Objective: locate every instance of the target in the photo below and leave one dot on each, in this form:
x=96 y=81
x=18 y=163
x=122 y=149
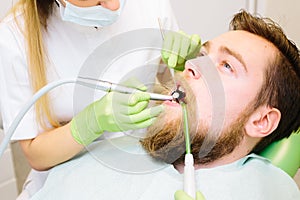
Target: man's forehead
x=242 y=41
x=241 y=37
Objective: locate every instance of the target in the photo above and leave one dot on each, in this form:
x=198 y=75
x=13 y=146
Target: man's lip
x=171 y=103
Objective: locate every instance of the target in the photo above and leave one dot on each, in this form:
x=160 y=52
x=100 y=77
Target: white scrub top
x=118 y=168
x=68 y=48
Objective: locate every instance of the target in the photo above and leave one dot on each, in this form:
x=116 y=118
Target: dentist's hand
x=114 y=112
x=181 y=195
x=179 y=47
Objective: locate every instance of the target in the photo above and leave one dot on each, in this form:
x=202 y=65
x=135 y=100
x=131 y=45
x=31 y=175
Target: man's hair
x=281 y=87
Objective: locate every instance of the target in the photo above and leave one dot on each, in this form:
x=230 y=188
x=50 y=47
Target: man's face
x=240 y=59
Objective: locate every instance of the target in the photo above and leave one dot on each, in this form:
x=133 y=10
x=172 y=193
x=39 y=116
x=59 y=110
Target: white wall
x=5 y=5
x=207 y=18
x=211 y=18
x=286 y=13
x=8 y=182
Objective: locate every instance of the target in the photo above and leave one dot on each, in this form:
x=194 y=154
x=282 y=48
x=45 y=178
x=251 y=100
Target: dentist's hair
x=36 y=13
x=281 y=87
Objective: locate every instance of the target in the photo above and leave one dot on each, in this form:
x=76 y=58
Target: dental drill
x=108 y=86
x=88 y=82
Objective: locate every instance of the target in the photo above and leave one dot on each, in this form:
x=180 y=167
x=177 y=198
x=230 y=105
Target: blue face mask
x=95 y=16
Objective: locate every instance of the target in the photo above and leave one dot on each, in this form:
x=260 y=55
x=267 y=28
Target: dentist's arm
x=113 y=113
x=50 y=148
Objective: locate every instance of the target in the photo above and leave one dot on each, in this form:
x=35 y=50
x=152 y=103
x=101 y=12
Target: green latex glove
x=179 y=47
x=181 y=195
x=285 y=153
x=114 y=112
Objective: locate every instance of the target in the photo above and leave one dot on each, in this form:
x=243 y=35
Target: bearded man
x=258 y=70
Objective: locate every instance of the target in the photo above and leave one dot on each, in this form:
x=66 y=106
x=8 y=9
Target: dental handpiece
x=88 y=82
x=108 y=86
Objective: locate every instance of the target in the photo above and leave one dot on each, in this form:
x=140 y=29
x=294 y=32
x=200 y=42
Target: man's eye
x=227 y=66
x=200 y=54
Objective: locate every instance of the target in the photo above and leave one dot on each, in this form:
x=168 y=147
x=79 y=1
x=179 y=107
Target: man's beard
x=165 y=138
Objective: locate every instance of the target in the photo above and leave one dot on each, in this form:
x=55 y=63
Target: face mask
x=94 y=16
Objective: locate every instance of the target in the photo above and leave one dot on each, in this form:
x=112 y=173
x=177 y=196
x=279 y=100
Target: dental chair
x=285 y=153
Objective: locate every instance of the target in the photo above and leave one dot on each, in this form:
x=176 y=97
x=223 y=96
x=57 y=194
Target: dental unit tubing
x=108 y=86
x=88 y=82
x=189 y=182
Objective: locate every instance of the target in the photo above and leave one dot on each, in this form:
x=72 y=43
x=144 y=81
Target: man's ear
x=263 y=122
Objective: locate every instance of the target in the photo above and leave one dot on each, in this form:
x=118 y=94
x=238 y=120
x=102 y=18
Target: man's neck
x=239 y=152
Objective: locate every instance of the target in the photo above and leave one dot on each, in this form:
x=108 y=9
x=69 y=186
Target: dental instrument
x=88 y=82
x=178 y=95
x=189 y=182
x=160 y=28
x=108 y=86
x=172 y=71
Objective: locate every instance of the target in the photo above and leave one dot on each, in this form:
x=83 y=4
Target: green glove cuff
x=84 y=126
x=84 y=139
x=180 y=67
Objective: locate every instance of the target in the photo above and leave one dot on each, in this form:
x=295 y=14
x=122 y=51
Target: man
x=259 y=71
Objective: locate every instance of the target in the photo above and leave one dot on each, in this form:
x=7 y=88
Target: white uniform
x=68 y=46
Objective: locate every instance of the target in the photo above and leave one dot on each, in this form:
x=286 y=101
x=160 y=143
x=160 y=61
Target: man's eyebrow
x=226 y=50
x=235 y=54
x=206 y=45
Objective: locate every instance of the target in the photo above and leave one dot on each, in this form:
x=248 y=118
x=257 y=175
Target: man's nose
x=200 y=67
x=110 y=4
x=192 y=70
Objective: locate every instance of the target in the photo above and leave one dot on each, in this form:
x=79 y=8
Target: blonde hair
x=36 y=58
